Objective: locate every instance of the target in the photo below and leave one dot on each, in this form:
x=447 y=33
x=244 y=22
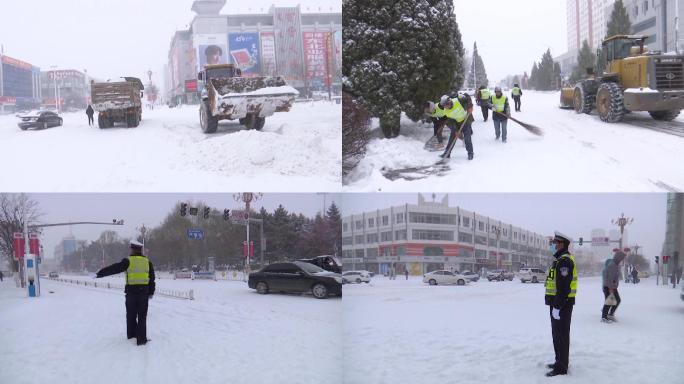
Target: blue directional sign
x=195 y=234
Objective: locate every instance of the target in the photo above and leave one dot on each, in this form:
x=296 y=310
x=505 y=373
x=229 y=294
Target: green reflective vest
x=484 y=94
x=551 y=278
x=456 y=112
x=439 y=112
x=515 y=91
x=499 y=102
x=138 y=272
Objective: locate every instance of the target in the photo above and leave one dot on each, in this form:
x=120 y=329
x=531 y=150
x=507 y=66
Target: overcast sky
x=511 y=35
x=109 y=38
x=150 y=209
x=574 y=214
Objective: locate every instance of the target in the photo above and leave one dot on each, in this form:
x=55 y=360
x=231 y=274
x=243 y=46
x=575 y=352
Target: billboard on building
x=268 y=54
x=288 y=42
x=17 y=79
x=316 y=58
x=337 y=49
x=211 y=49
x=244 y=52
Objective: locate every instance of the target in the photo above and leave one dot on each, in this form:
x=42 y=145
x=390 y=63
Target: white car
x=534 y=275
x=444 y=277
x=356 y=277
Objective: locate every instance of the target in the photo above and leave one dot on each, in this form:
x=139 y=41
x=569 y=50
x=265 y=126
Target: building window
x=359 y=253
x=345 y=227
x=401 y=251
x=425 y=234
x=400 y=235
x=480 y=254
x=503 y=244
x=347 y=240
x=492 y=242
x=431 y=218
x=400 y=218
x=466 y=222
x=372 y=238
x=385 y=220
x=371 y=253
x=359 y=224
x=371 y=223
x=645 y=7
x=505 y=232
x=465 y=237
x=462 y=252
x=636 y=10
x=386 y=252
x=386 y=236
x=433 y=251
x=359 y=239
x=482 y=240
x=347 y=254
x=480 y=225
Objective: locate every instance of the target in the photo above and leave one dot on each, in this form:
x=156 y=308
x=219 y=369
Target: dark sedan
x=42 y=120
x=296 y=277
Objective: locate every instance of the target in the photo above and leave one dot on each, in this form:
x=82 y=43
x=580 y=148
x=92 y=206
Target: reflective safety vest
x=551 y=278
x=515 y=91
x=138 y=272
x=484 y=94
x=439 y=112
x=456 y=112
x=499 y=103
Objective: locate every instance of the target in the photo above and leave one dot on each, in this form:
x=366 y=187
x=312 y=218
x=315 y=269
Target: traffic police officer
x=139 y=289
x=561 y=288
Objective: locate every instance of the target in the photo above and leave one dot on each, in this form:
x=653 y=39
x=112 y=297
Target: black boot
x=555 y=372
x=551 y=366
x=470 y=156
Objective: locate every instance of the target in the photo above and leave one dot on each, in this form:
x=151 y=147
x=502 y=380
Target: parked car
x=40 y=119
x=356 y=277
x=444 y=277
x=53 y=275
x=327 y=262
x=500 y=275
x=296 y=277
x=470 y=275
x=534 y=275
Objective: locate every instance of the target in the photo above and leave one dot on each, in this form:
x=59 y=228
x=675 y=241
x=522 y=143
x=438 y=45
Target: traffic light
x=226 y=214
x=581 y=240
x=665 y=259
x=656 y=258
x=183 y=209
x=207 y=210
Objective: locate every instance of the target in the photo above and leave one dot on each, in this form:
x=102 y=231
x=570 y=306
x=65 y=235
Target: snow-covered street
x=168 y=152
x=595 y=156
x=401 y=331
x=228 y=334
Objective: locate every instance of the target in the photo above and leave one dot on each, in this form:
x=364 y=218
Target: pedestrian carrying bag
x=610 y=300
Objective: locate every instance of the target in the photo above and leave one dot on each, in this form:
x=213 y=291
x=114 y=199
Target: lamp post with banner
x=247 y=198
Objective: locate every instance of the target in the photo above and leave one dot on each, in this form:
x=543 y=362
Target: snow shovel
x=533 y=129
x=433 y=145
x=447 y=153
x=610 y=300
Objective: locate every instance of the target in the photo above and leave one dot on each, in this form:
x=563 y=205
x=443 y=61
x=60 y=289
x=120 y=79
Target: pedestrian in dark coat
x=611 y=280
x=90 y=112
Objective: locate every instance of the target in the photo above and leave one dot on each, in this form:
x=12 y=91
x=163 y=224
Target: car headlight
x=338 y=279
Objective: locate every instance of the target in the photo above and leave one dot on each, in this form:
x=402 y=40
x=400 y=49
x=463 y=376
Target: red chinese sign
x=316 y=55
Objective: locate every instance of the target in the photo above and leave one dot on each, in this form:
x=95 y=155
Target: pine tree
x=398 y=54
x=333 y=220
x=545 y=73
x=619 y=23
x=585 y=60
x=477 y=74
x=558 y=81
x=533 y=76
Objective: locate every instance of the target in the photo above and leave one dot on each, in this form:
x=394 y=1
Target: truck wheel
x=664 y=115
x=208 y=122
x=582 y=102
x=259 y=123
x=609 y=103
x=101 y=122
x=129 y=121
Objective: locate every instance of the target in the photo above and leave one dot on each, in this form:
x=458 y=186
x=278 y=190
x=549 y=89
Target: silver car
x=535 y=275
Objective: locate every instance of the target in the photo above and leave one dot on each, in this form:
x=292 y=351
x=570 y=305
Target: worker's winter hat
x=430 y=106
x=558 y=236
x=444 y=100
x=497 y=89
x=136 y=244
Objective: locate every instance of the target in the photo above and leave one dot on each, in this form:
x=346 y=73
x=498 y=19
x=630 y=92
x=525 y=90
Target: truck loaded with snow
x=118 y=102
x=634 y=80
x=226 y=95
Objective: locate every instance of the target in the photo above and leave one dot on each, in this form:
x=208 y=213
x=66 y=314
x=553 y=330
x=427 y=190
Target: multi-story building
x=674 y=232
x=433 y=235
x=19 y=85
x=304 y=48
x=656 y=19
x=70 y=87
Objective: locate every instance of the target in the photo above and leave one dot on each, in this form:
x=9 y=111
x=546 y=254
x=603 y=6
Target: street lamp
x=497 y=230
x=54 y=77
x=622 y=222
x=247 y=198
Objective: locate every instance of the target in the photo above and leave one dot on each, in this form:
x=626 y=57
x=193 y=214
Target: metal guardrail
x=188 y=295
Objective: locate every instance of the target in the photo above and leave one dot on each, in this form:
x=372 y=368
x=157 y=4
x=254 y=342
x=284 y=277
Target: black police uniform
x=137 y=297
x=560 y=329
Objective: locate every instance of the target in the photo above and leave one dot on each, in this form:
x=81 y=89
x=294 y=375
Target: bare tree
x=14 y=209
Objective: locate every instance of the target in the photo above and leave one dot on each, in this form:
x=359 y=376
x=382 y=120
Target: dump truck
x=118 y=102
x=634 y=80
x=226 y=95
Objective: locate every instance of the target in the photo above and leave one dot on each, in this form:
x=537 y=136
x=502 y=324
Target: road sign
x=600 y=241
x=239 y=216
x=195 y=234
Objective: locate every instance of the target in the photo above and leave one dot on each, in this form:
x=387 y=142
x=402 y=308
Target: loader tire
x=610 y=103
x=582 y=101
x=208 y=122
x=665 y=115
x=259 y=123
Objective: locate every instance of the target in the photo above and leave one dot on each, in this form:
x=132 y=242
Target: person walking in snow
x=560 y=292
x=90 y=112
x=482 y=99
x=635 y=275
x=1 y=276
x=459 y=113
x=406 y=273
x=611 y=280
x=500 y=112
x=139 y=289
x=516 y=93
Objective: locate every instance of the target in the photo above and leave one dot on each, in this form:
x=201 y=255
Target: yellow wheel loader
x=634 y=80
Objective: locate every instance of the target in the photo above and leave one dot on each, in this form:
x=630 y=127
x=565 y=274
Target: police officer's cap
x=136 y=244
x=558 y=236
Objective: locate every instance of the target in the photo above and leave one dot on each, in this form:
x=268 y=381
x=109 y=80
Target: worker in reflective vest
x=482 y=99
x=516 y=92
x=561 y=289
x=437 y=117
x=499 y=104
x=139 y=289
x=459 y=114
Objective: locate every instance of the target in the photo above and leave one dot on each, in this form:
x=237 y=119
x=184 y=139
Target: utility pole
x=247 y=198
x=622 y=222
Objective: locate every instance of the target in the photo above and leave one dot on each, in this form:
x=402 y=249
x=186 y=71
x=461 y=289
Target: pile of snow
x=229 y=333
x=596 y=156
x=398 y=331
x=168 y=152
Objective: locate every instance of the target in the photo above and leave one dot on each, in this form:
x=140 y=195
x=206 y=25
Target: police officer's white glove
x=555 y=313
